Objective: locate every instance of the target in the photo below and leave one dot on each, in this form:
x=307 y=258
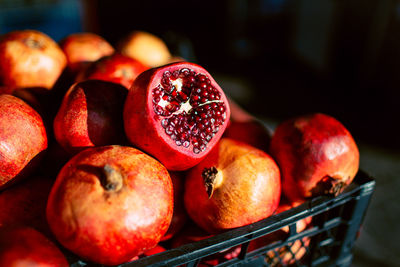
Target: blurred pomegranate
x=82 y=48
x=30 y=58
x=145 y=47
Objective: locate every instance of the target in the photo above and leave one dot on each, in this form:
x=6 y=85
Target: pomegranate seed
x=198 y=125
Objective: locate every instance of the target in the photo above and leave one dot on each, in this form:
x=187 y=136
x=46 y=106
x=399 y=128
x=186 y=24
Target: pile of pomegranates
x=113 y=154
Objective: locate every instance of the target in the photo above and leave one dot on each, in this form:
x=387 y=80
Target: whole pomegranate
x=115 y=68
x=23 y=138
x=90 y=115
x=145 y=47
x=30 y=58
x=110 y=204
x=316 y=154
x=24 y=203
x=25 y=246
x=176 y=113
x=235 y=185
x=82 y=48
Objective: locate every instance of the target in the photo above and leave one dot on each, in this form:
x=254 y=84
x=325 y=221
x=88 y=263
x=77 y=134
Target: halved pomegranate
x=176 y=113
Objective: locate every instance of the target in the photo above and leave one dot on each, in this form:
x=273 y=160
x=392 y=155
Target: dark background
x=277 y=58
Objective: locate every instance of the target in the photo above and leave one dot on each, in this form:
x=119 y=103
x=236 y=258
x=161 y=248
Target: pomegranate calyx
x=33 y=43
x=209 y=177
x=328 y=186
x=112 y=179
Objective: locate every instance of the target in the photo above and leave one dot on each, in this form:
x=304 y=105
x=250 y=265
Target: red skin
x=180 y=217
x=110 y=218
x=82 y=48
x=90 y=115
x=247 y=187
x=116 y=68
x=25 y=246
x=19 y=151
x=139 y=114
x=25 y=203
x=311 y=148
x=30 y=58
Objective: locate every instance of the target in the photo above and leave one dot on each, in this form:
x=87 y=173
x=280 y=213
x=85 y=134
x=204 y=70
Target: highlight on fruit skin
x=316 y=154
x=176 y=113
x=30 y=59
x=145 y=47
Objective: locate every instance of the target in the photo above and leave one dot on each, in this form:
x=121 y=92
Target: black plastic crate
x=329 y=241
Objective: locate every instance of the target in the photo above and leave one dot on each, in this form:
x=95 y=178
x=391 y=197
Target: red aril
x=176 y=113
x=235 y=185
x=316 y=154
x=23 y=139
x=110 y=204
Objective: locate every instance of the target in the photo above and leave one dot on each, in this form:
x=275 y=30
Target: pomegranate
x=110 y=204
x=25 y=246
x=235 y=185
x=115 y=68
x=29 y=58
x=176 y=113
x=23 y=139
x=90 y=115
x=316 y=154
x=145 y=47
x=24 y=203
x=82 y=48
x=179 y=217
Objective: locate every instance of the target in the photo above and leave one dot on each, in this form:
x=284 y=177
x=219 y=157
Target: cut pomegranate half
x=176 y=113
